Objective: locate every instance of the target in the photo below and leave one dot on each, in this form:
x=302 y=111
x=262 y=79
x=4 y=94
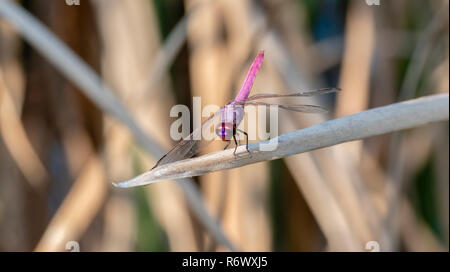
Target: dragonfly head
x=225 y=131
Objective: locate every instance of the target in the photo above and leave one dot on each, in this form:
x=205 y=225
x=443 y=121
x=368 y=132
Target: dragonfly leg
x=227 y=145
x=236 y=145
x=238 y=139
x=246 y=142
x=234 y=135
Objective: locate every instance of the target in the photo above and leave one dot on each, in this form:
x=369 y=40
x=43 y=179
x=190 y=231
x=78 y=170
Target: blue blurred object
x=329 y=21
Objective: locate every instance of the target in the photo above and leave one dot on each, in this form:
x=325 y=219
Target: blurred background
x=60 y=152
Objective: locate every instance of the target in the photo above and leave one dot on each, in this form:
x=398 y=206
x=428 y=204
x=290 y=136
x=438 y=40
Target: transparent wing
x=302 y=93
x=194 y=142
x=297 y=108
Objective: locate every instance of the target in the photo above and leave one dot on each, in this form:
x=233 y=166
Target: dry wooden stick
x=17 y=141
x=357 y=126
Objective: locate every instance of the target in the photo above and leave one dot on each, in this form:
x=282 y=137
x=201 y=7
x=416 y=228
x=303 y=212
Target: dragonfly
x=227 y=119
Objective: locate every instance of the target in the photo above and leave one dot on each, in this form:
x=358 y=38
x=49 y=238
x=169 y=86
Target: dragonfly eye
x=225 y=131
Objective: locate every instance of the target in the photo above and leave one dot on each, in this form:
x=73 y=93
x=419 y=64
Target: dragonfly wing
x=297 y=108
x=302 y=93
x=184 y=149
x=190 y=145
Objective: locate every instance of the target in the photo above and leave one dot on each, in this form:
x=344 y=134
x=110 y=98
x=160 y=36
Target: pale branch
x=394 y=117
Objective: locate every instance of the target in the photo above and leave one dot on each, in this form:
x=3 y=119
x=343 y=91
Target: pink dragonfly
x=230 y=116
